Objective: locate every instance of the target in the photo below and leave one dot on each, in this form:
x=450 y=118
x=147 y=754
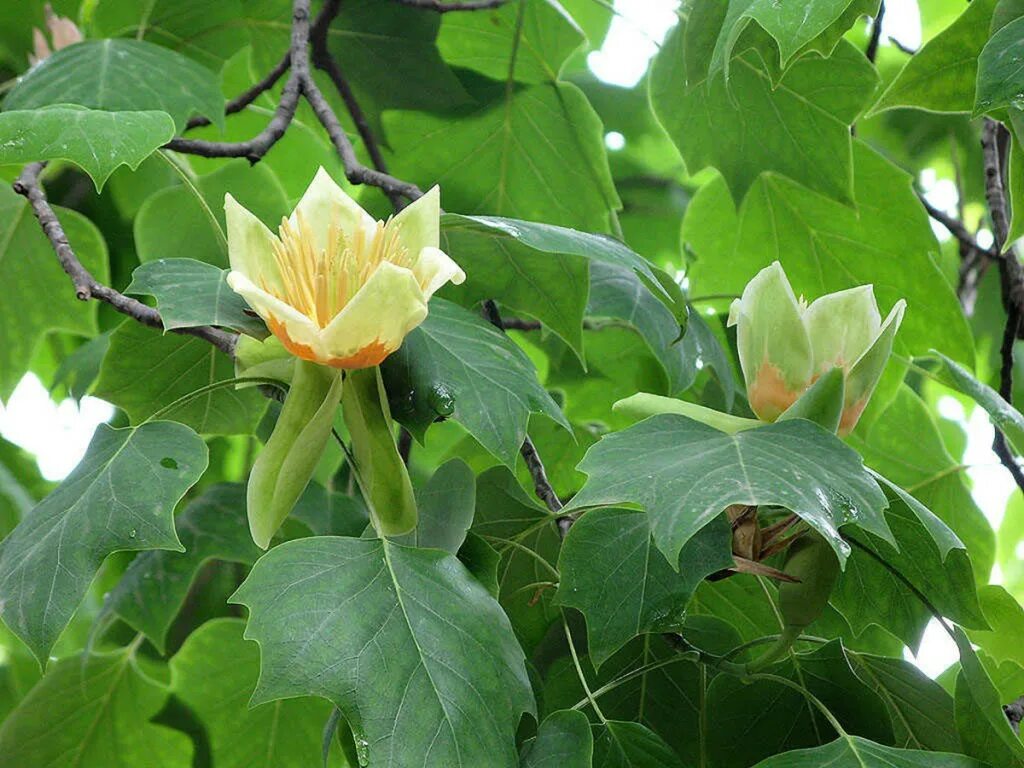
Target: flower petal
x=434 y=268
x=771 y=335
x=866 y=371
x=250 y=244
x=842 y=326
x=299 y=334
x=419 y=223
x=325 y=202
x=377 y=319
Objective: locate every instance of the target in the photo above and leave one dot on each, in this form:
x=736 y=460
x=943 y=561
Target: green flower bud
x=286 y=463
x=380 y=471
x=785 y=345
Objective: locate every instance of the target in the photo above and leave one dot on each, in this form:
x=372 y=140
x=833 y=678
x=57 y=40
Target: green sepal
x=286 y=464
x=822 y=403
x=263 y=359
x=643 y=404
x=380 y=471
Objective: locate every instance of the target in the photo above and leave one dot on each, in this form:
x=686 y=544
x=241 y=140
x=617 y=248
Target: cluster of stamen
x=319 y=284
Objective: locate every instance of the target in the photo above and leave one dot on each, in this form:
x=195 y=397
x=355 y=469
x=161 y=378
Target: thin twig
x=534 y=464
x=86 y=286
x=901 y=47
x=876 y=33
x=1011 y=275
x=440 y=7
x=324 y=61
x=248 y=96
x=955 y=227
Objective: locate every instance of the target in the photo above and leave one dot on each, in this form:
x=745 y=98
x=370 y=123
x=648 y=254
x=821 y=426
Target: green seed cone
x=284 y=467
x=381 y=472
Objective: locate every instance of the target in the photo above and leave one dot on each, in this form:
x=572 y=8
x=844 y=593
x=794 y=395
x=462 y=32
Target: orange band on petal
x=851 y=415
x=768 y=394
x=367 y=357
x=299 y=350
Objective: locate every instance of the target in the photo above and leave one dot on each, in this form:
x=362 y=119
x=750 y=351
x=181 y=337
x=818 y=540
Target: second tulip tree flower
x=785 y=345
x=340 y=291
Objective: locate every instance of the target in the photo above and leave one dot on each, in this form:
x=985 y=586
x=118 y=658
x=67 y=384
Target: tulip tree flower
x=786 y=345
x=339 y=291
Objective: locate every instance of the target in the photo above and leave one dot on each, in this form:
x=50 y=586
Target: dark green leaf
x=757 y=719
x=428 y=662
x=685 y=473
x=95 y=711
x=631 y=745
x=458 y=365
x=121 y=76
x=27 y=259
x=612 y=572
x=563 y=741
x=120 y=497
x=214 y=674
x=145 y=370
x=190 y=293
x=921 y=711
x=445 y=506
x=855 y=752
x=1003 y=415
x=98 y=142
x=153 y=588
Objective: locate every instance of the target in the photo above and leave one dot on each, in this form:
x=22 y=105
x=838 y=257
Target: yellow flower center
x=320 y=283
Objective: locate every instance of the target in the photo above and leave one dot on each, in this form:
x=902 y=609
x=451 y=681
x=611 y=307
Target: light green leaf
x=623 y=585
x=445 y=503
x=941 y=76
x=684 y=473
x=1006 y=618
x=177 y=222
x=96 y=711
x=214 y=674
x=153 y=588
x=428 y=662
x=98 y=142
x=207 y=32
x=826 y=247
x=458 y=365
x=538 y=156
x=483 y=41
x=145 y=370
x=921 y=711
x=1007 y=418
x=190 y=293
x=984 y=729
x=563 y=741
x=30 y=267
x=121 y=76
x=1001 y=71
x=855 y=752
x=119 y=497
x=797 y=127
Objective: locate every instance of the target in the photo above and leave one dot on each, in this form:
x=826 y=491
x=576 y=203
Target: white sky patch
x=937 y=651
x=56 y=434
x=902 y=22
x=614 y=141
x=636 y=32
x=942 y=194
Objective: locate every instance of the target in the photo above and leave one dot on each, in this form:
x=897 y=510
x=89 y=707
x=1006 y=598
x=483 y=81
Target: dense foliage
x=614 y=562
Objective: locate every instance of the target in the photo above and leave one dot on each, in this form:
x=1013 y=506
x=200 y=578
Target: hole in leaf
x=168 y=462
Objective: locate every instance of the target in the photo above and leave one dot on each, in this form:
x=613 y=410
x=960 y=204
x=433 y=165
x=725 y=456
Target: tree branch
x=876 y=34
x=86 y=286
x=441 y=7
x=541 y=484
x=248 y=96
x=1011 y=275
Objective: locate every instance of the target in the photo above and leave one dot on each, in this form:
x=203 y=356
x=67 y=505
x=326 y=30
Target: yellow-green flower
x=785 y=345
x=334 y=285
